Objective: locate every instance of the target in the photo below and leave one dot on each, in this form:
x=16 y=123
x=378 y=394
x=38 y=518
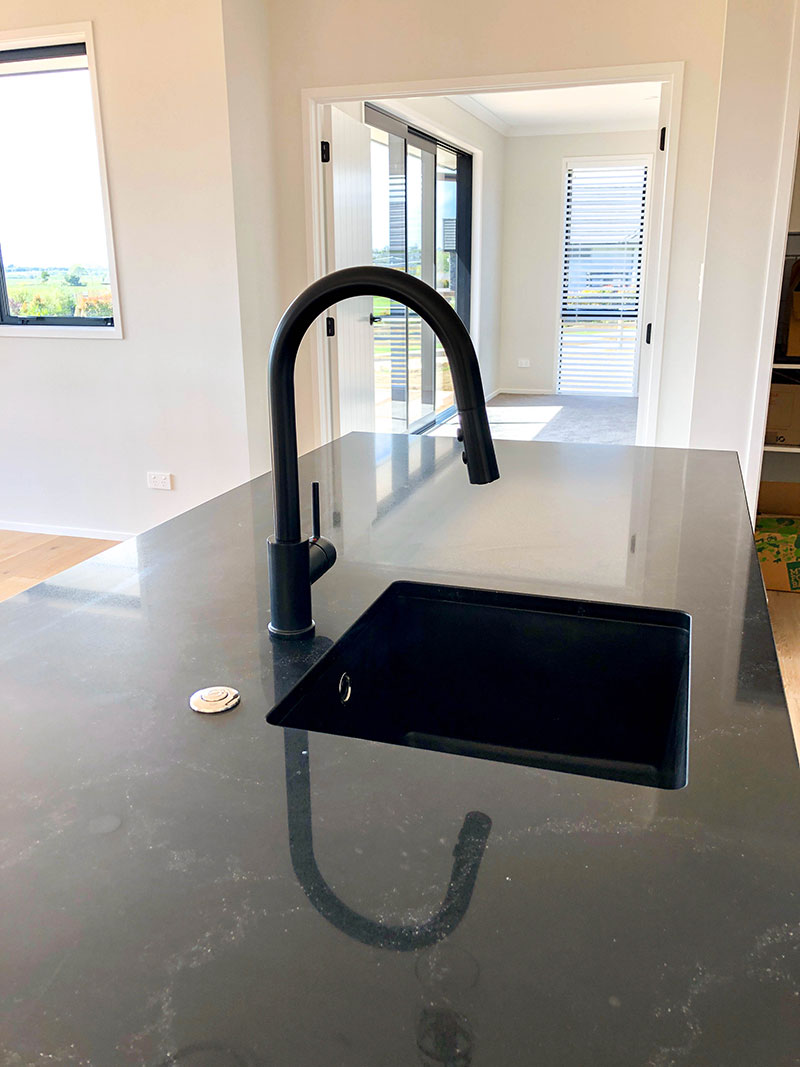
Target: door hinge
x=330 y=327
x=662 y=140
x=648 y=333
x=325 y=151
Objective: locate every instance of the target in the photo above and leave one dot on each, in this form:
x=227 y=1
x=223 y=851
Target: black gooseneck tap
x=294 y=563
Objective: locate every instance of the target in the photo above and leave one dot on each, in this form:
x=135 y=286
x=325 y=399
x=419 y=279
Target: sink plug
x=214 y=698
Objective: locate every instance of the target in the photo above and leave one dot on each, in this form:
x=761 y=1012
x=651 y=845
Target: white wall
x=532 y=246
x=445 y=119
x=318 y=44
x=246 y=38
x=741 y=264
x=82 y=421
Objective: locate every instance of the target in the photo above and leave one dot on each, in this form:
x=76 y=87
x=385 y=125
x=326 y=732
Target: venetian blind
x=604 y=220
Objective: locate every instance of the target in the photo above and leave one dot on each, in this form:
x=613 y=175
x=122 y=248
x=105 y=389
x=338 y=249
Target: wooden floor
x=27 y=558
x=784 y=611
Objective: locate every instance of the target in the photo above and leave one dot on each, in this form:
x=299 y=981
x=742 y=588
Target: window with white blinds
x=604 y=222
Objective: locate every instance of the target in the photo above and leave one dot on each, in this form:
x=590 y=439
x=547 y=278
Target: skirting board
x=64 y=531
x=523 y=392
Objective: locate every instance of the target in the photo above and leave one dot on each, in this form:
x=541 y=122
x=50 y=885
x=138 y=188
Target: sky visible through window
x=52 y=229
x=51 y=209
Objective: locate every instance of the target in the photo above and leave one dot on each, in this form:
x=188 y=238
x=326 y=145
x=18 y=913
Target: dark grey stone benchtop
x=151 y=913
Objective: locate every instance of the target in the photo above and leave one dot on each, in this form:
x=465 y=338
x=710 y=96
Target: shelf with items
x=785 y=374
x=780 y=471
x=783 y=416
x=787 y=335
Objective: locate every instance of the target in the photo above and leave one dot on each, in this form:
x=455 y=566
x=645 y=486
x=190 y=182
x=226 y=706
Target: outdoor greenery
x=399 y=340
x=395 y=257
x=409 y=345
x=59 y=292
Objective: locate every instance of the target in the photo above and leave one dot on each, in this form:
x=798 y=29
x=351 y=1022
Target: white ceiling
x=578 y=109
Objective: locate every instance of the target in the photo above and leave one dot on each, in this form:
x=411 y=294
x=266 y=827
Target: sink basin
x=594 y=689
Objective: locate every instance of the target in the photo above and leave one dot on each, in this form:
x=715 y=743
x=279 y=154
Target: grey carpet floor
x=596 y=420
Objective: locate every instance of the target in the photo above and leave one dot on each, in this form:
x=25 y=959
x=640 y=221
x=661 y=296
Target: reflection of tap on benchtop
x=467 y=853
x=444 y=1037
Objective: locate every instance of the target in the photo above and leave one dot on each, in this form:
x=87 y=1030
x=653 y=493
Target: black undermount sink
x=595 y=689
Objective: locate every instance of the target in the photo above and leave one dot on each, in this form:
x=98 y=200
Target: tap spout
x=294 y=563
x=429 y=305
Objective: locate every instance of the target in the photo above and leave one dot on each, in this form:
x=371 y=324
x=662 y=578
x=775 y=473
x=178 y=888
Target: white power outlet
x=523 y=363
x=159 y=480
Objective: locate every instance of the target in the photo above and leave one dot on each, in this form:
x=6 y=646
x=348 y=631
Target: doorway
x=541 y=304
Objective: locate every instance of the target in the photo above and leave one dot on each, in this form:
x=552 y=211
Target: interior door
x=349 y=244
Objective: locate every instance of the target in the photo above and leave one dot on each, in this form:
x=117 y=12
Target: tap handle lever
x=316 y=532
x=321 y=553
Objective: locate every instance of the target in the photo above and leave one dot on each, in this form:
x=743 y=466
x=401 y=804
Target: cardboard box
x=778 y=547
x=793 y=341
x=783 y=415
x=779 y=498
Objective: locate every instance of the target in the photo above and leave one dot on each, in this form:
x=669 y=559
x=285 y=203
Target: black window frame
x=22 y=55
x=384 y=120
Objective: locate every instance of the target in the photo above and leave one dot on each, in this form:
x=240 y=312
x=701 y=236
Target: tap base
x=289 y=589
x=291 y=635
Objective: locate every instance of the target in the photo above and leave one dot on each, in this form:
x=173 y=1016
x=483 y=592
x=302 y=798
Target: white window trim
x=73 y=33
x=598 y=161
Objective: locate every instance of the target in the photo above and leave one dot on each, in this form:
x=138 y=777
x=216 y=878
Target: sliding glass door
x=421 y=223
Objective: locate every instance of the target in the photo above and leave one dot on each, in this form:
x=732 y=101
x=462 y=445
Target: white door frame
x=313 y=101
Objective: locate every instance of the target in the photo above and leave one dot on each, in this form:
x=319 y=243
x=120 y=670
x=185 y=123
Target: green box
x=778 y=547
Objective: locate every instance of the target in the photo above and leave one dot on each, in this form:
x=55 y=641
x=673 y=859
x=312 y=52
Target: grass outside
x=382 y=342
x=59 y=292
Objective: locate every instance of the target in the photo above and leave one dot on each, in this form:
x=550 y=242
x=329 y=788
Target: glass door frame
x=427 y=145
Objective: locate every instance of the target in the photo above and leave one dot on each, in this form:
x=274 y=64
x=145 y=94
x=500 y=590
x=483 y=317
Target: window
x=604 y=227
x=54 y=252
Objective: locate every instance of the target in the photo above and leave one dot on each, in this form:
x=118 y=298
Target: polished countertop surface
x=153 y=912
